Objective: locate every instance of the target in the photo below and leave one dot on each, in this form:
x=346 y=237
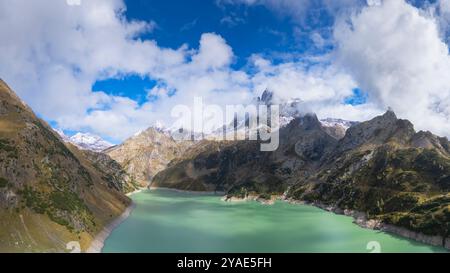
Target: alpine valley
x=55 y=189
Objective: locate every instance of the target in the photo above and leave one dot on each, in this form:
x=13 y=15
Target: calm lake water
x=168 y=221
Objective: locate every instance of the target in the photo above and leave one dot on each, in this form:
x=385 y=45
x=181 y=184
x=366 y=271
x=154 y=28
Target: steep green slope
x=50 y=193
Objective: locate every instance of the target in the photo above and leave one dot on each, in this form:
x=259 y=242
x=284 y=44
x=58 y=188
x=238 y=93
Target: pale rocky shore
x=136 y=191
x=185 y=191
x=359 y=218
x=99 y=240
x=250 y=197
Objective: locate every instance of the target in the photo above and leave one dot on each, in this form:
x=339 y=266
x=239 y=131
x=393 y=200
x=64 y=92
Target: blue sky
x=247 y=29
x=116 y=67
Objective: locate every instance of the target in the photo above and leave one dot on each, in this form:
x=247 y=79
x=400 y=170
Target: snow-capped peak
x=89 y=141
x=85 y=141
x=333 y=122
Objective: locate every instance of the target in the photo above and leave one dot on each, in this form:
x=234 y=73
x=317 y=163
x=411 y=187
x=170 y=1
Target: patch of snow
x=89 y=141
x=333 y=122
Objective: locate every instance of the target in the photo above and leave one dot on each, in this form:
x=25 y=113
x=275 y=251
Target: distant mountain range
x=55 y=189
x=289 y=110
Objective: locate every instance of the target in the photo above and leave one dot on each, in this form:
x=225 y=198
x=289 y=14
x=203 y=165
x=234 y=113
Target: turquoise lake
x=169 y=221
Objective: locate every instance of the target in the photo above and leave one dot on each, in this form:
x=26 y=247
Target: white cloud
x=322 y=89
x=213 y=53
x=298 y=9
x=53 y=52
x=395 y=53
x=53 y=58
x=373 y=2
x=232 y=20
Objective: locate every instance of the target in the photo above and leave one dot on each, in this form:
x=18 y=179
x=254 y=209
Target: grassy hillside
x=50 y=193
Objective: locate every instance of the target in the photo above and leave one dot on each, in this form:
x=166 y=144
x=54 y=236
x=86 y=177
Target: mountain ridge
x=50 y=193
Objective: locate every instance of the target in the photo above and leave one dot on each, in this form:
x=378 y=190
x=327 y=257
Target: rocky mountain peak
x=381 y=129
x=427 y=140
x=146 y=153
x=309 y=122
x=87 y=141
x=266 y=97
x=389 y=115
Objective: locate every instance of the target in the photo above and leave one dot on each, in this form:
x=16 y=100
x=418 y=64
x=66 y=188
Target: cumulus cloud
x=395 y=53
x=322 y=89
x=53 y=58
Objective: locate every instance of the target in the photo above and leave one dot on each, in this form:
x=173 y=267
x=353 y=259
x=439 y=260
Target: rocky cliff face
x=145 y=154
x=50 y=193
x=112 y=172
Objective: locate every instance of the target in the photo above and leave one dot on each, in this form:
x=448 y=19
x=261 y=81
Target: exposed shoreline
x=99 y=241
x=218 y=193
x=135 y=191
x=359 y=218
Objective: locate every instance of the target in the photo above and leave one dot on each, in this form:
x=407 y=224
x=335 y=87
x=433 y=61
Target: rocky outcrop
x=112 y=172
x=145 y=154
x=337 y=127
